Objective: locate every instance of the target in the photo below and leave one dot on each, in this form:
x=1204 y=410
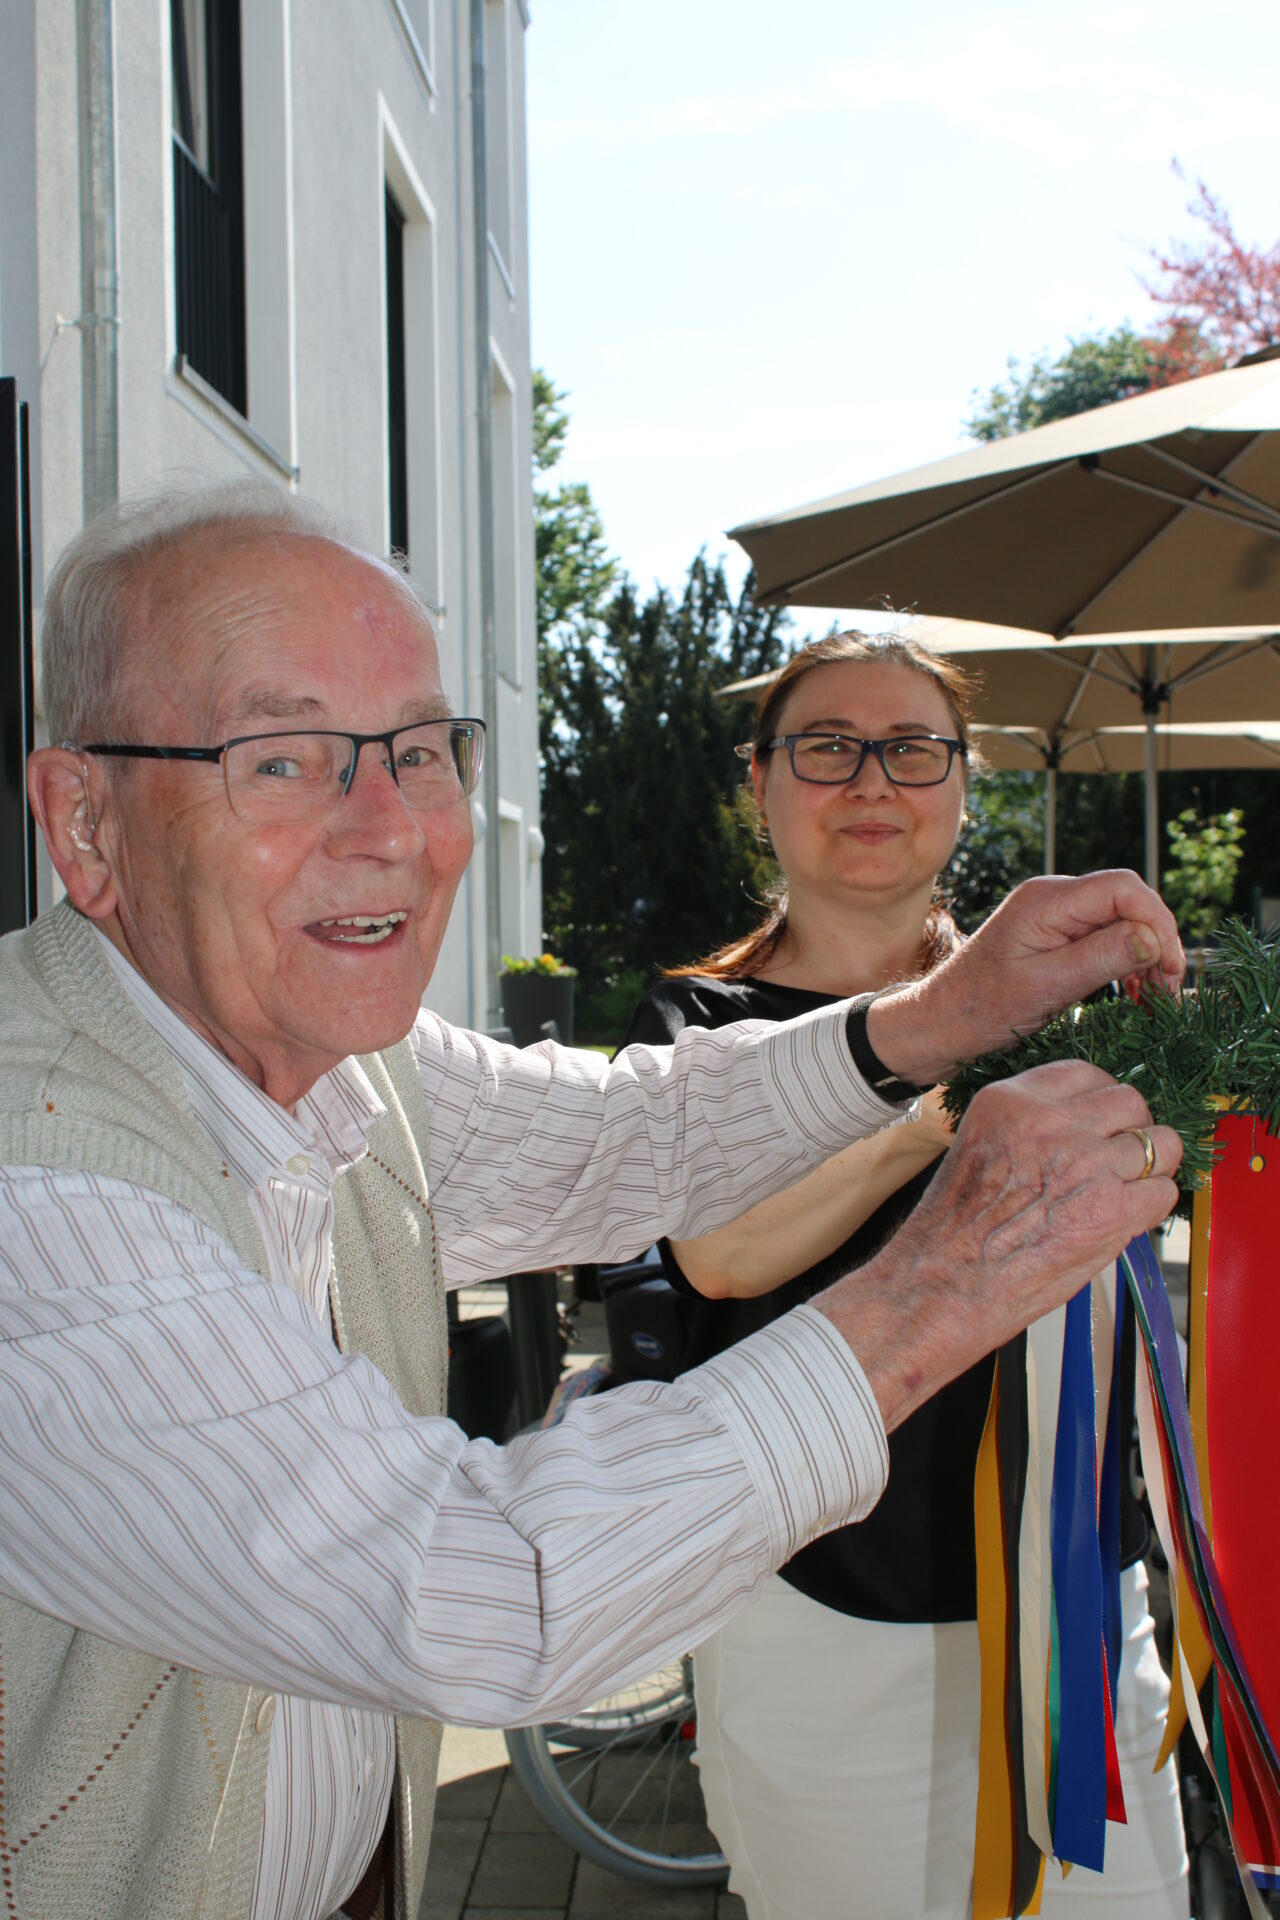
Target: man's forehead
x=225 y=573
x=220 y=610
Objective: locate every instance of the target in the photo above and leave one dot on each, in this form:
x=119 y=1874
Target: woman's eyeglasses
x=833 y=759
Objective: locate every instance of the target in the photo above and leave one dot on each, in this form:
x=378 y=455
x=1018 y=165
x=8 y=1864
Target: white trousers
x=839 y=1762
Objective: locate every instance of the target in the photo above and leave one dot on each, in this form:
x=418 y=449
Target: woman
x=838 y=1714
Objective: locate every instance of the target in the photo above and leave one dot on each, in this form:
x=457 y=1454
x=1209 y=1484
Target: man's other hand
x=1054 y=940
x=1043 y=1187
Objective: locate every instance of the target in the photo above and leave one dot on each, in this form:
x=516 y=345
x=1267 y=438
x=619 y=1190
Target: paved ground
x=493 y=1859
x=491 y=1856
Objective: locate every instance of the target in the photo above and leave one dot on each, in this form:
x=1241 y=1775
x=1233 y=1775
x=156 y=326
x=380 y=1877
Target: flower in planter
x=544 y=964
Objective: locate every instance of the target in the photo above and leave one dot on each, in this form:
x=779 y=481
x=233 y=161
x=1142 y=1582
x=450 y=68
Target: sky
x=777 y=248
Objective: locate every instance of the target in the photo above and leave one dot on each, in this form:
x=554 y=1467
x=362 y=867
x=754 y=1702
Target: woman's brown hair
x=740 y=959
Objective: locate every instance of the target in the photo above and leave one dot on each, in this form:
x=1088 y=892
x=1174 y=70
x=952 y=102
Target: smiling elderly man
x=239 y=1161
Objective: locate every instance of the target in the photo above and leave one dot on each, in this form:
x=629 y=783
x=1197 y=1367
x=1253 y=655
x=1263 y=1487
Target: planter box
x=531 y=999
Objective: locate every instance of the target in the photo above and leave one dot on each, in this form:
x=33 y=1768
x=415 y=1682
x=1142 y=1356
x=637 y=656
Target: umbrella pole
x=1151 y=799
x=1050 y=818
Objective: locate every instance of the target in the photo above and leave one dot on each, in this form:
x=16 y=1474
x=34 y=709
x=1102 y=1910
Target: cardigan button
x=266 y=1714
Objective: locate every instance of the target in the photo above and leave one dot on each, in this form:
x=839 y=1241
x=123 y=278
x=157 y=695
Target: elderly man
x=239 y=1161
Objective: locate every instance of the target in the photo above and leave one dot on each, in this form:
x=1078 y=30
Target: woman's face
x=868 y=835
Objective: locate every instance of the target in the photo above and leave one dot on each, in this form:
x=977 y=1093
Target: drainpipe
x=484 y=474
x=99 y=274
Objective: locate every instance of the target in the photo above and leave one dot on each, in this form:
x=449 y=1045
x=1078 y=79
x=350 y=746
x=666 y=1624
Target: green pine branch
x=1221 y=1042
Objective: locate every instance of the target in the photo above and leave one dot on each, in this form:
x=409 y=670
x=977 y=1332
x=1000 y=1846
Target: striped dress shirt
x=382 y=1561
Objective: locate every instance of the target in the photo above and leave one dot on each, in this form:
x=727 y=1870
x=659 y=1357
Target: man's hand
x=1042 y=1189
x=1052 y=941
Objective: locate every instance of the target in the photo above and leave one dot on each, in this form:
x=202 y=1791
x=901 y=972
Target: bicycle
x=618 y=1783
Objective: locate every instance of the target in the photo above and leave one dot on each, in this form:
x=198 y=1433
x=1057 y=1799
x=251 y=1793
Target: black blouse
x=912 y=1558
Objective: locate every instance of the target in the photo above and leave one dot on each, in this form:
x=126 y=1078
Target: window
x=497 y=128
x=412 y=371
x=208 y=199
x=397 y=422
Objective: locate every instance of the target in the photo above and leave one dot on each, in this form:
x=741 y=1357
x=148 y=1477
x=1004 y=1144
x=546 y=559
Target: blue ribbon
x=1079 y=1813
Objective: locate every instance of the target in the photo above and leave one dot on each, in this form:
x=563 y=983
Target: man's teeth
x=367 y=929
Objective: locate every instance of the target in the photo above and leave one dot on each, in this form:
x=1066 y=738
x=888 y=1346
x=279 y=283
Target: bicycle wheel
x=618 y=1783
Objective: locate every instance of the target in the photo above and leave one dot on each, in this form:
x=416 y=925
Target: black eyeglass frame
x=128 y=751
x=876 y=747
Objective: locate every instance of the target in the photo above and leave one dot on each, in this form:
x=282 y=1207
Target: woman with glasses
x=838 y=1714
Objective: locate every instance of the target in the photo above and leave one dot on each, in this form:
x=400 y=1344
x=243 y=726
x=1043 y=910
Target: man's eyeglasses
x=292 y=779
x=833 y=759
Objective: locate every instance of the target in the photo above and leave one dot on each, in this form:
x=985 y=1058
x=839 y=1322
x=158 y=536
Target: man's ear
x=68 y=797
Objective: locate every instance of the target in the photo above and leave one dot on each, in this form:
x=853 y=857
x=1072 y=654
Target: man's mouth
x=359 y=929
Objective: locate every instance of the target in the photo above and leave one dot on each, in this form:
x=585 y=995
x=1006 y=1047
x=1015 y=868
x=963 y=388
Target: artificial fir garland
x=1183 y=1053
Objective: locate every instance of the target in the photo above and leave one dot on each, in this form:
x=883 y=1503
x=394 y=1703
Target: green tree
x=1093 y=371
x=1001 y=845
x=651 y=856
x=1201 y=882
x=576 y=573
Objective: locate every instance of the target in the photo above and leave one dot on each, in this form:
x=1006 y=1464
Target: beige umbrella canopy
x=1113 y=703
x=1183 y=748
x=1157 y=512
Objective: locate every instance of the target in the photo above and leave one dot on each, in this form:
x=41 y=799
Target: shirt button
x=266 y=1714
x=298 y=1163
x=368 y=1766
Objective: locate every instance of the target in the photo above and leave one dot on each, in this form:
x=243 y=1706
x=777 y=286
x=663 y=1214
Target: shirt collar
x=256 y=1136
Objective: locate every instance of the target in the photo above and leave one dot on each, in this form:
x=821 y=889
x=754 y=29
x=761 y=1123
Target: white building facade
x=252 y=236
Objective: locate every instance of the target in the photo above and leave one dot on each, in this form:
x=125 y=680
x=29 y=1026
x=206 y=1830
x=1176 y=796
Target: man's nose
x=374 y=812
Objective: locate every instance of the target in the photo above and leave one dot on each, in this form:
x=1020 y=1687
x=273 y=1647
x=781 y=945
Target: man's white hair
x=85 y=631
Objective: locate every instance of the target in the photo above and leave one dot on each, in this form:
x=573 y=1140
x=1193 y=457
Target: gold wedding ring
x=1140 y=1133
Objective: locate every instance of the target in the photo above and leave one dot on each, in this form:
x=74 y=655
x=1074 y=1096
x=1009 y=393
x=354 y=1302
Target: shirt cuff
x=810 y=1076
x=806 y=1423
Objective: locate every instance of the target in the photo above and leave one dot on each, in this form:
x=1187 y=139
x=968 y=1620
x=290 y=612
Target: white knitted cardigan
x=130 y=1787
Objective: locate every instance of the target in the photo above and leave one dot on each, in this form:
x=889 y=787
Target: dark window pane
x=208 y=207
x=397 y=441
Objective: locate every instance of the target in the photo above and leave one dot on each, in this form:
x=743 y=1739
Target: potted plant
x=534 y=991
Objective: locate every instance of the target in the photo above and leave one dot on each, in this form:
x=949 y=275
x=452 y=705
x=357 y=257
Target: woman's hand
x=934 y=1123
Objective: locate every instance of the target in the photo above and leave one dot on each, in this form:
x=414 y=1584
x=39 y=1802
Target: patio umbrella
x=1115 y=702
x=1184 y=748
x=1156 y=512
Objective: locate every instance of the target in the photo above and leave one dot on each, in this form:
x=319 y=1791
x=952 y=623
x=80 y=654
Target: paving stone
x=455 y=1848
x=527 y=1913
x=729 y=1907
x=513 y=1812
x=470 y=1750
x=647 y=1785
x=598 y=1895
x=516 y=1869
x=472 y=1797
